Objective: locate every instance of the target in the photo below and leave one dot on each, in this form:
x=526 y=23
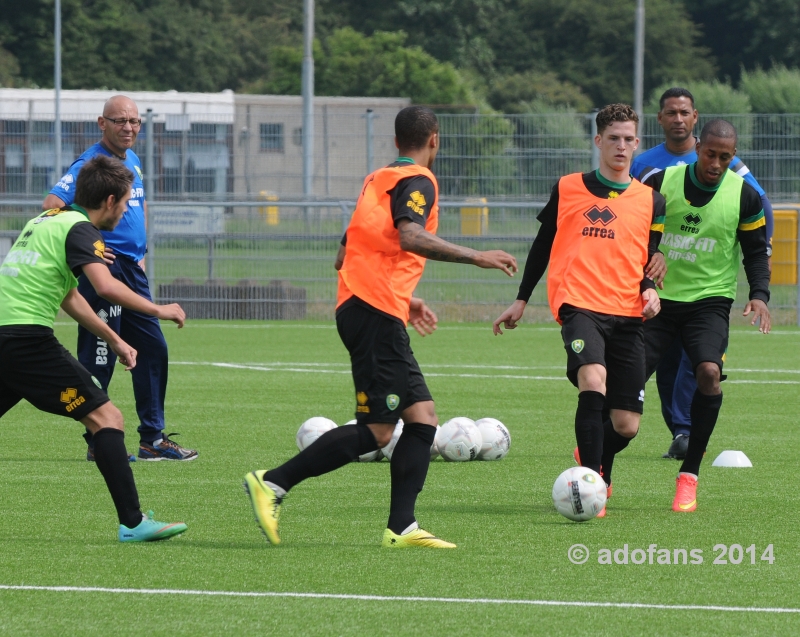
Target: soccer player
x=36 y=278
x=598 y=233
x=674 y=377
x=125 y=250
x=711 y=212
x=391 y=234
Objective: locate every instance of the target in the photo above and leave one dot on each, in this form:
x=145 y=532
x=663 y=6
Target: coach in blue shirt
x=674 y=375
x=125 y=249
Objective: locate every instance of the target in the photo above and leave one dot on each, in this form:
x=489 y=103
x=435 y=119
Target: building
x=206 y=145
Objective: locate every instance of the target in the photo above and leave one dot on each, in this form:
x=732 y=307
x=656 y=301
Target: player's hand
x=510 y=317
x=125 y=353
x=498 y=260
x=761 y=315
x=656 y=270
x=172 y=312
x=108 y=255
x=421 y=317
x=652 y=304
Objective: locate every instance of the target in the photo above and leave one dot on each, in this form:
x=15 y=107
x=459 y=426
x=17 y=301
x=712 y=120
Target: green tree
x=352 y=64
x=715 y=97
x=773 y=91
x=744 y=34
x=519 y=93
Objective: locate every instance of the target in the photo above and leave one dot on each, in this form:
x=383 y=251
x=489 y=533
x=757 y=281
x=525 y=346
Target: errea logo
x=602 y=216
x=71 y=398
x=99 y=248
x=417 y=203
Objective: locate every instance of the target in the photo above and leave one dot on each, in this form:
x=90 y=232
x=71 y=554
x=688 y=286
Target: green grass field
x=238 y=393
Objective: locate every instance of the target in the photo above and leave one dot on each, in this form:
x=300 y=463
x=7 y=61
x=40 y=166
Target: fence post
x=149 y=173
x=211 y=241
x=370 y=149
x=345 y=215
x=595 y=149
x=797 y=303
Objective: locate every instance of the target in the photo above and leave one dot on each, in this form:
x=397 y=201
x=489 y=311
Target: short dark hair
x=100 y=177
x=413 y=126
x=615 y=113
x=719 y=128
x=675 y=91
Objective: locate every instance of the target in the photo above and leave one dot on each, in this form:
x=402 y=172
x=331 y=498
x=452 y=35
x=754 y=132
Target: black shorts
x=616 y=343
x=387 y=378
x=702 y=326
x=36 y=367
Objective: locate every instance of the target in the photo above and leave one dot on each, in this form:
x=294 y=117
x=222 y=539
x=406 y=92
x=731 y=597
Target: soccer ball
x=496 y=439
x=579 y=494
x=459 y=440
x=312 y=429
x=388 y=450
x=370 y=456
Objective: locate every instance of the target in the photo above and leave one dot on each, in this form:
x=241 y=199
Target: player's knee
x=708 y=377
x=626 y=423
x=382 y=433
x=592 y=378
x=107 y=416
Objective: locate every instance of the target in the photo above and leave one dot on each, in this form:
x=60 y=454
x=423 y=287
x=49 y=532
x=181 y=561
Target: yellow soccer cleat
x=417 y=537
x=266 y=505
x=685 y=493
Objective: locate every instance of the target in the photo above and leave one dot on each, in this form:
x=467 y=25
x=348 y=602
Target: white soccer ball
x=312 y=429
x=579 y=494
x=388 y=450
x=496 y=439
x=459 y=440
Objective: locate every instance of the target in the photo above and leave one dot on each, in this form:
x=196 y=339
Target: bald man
x=125 y=248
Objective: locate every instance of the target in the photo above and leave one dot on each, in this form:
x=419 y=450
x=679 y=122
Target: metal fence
x=255 y=152
x=274 y=260
x=229 y=237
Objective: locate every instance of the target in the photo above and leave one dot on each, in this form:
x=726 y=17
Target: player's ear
x=111 y=201
x=396 y=144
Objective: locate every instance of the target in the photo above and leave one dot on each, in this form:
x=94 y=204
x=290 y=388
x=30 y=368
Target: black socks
x=613 y=443
x=333 y=449
x=589 y=428
x=410 y=461
x=705 y=411
x=112 y=461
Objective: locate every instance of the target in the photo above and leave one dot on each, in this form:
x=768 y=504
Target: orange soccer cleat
x=685 y=493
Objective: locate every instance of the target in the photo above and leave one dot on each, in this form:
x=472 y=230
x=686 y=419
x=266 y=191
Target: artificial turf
x=58 y=526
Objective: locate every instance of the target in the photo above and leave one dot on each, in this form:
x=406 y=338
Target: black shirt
x=84 y=244
x=754 y=242
x=539 y=255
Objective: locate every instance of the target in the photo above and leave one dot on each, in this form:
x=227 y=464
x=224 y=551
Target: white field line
x=312 y=368
x=391 y=598
x=332 y=326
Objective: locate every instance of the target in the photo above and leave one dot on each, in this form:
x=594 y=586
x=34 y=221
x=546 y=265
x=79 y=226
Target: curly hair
x=615 y=113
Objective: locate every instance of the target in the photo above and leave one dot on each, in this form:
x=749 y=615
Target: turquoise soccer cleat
x=150 y=530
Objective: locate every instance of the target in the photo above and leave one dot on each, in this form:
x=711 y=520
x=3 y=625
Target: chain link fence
x=231 y=238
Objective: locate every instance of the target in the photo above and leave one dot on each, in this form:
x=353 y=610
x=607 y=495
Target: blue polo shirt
x=660 y=157
x=129 y=237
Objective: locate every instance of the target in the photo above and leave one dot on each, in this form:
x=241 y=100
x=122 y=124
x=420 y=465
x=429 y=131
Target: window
x=271 y=138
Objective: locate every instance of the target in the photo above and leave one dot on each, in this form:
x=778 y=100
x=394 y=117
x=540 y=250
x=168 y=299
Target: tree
x=773 y=91
x=744 y=34
x=352 y=64
x=521 y=92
